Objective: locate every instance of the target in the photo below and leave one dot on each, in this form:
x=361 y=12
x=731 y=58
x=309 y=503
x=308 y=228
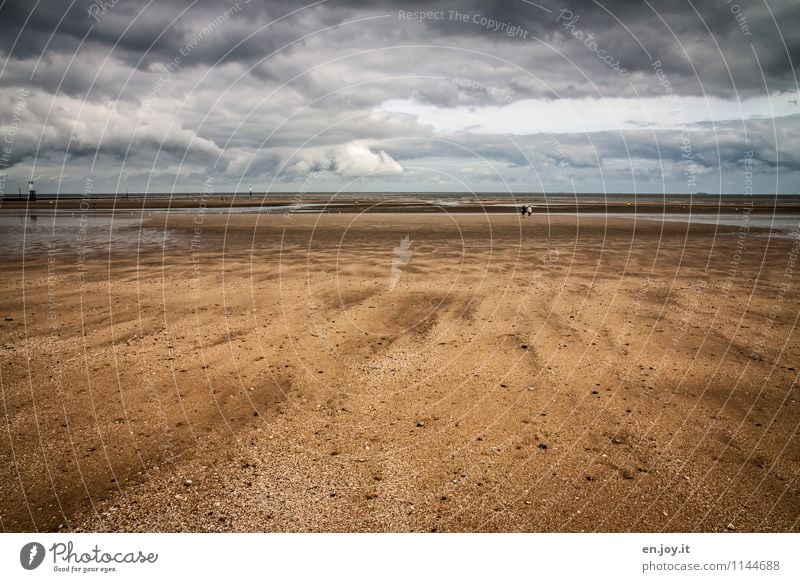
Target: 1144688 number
x=766 y=565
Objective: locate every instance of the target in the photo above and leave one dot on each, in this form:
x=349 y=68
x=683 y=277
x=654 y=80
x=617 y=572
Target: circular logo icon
x=31 y=555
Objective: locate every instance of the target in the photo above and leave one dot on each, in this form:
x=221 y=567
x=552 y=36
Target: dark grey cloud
x=697 y=41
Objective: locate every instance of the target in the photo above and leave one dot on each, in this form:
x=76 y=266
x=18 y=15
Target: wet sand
x=428 y=203
x=326 y=373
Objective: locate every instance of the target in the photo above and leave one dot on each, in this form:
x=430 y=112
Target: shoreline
x=488 y=207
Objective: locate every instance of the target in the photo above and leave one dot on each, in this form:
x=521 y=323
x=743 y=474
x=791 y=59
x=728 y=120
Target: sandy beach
x=388 y=372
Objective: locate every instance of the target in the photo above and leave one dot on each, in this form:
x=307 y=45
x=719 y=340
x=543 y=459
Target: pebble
x=420 y=423
x=731 y=527
x=188 y=483
x=543 y=446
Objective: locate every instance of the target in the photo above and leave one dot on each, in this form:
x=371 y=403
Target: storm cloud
x=400 y=96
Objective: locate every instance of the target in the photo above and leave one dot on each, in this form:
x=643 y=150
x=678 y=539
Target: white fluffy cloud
x=355 y=159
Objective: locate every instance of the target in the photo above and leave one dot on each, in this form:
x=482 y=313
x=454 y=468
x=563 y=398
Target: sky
x=350 y=96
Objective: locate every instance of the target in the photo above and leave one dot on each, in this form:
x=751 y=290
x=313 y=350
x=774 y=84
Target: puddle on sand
x=23 y=233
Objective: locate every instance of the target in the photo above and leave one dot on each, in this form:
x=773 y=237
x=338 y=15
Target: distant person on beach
x=526 y=209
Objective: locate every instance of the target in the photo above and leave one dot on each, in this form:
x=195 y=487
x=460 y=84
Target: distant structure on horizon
x=31 y=191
